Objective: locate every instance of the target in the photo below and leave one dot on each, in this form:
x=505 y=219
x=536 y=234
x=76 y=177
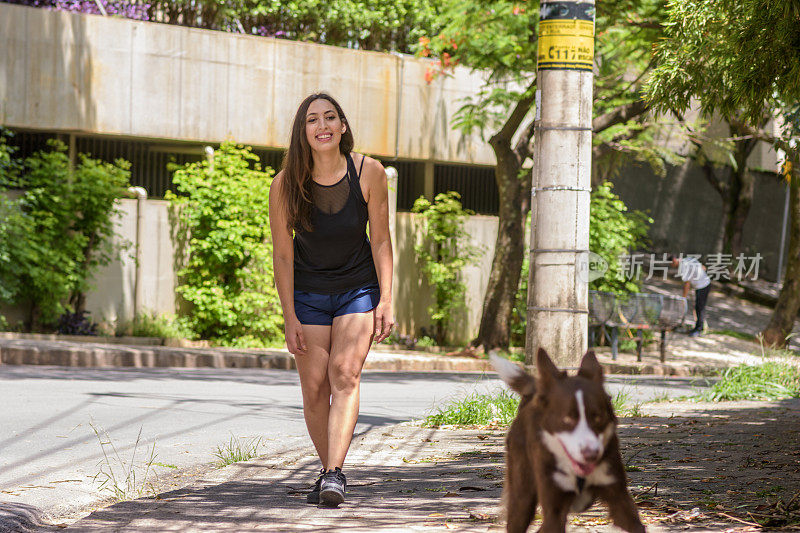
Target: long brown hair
x=298 y=164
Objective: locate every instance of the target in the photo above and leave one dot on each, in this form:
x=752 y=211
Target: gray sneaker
x=333 y=487
x=313 y=496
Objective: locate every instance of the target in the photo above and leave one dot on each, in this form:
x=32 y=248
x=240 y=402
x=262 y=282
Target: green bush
x=227 y=277
x=614 y=231
x=163 y=326
x=443 y=253
x=57 y=230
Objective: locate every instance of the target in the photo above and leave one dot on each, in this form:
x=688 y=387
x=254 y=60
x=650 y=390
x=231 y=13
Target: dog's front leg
x=520 y=490
x=555 y=507
x=622 y=508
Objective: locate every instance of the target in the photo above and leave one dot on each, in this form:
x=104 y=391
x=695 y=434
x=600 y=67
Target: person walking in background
x=334 y=282
x=694 y=276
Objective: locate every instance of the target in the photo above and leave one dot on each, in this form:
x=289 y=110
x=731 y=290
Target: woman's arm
x=376 y=193
x=283 y=266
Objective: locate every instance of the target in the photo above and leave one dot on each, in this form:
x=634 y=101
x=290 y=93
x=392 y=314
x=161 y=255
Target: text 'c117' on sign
x=566 y=36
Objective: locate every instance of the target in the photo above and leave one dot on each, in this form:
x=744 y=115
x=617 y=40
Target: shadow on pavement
x=429 y=483
x=19 y=518
x=736 y=458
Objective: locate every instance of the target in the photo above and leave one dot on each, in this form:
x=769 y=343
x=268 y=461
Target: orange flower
x=428 y=76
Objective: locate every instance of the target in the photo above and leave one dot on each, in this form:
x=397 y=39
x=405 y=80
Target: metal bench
x=636 y=311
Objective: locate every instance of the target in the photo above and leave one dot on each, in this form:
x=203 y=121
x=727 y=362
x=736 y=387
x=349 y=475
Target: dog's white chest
x=582 y=501
x=568 y=482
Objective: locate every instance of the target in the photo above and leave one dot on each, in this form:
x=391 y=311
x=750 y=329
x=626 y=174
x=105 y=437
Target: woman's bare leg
x=351 y=337
x=312 y=368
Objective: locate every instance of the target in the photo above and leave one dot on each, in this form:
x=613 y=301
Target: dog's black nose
x=590 y=453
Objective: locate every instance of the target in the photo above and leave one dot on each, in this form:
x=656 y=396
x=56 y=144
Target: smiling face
x=580 y=428
x=324 y=126
x=574 y=414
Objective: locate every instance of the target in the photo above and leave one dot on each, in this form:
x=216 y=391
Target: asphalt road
x=61 y=429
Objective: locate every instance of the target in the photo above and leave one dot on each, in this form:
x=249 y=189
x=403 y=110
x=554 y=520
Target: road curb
x=63 y=353
x=97 y=355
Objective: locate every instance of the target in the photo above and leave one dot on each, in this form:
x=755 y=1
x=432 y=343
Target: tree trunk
x=785 y=312
x=741 y=199
x=77 y=299
x=32 y=324
x=494 y=331
x=740 y=193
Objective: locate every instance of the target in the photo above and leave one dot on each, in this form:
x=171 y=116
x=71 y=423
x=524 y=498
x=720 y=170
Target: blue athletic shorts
x=319 y=309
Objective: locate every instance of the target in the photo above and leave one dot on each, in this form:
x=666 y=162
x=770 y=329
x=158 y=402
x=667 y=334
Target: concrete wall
x=69 y=72
x=687 y=212
x=413 y=295
x=112 y=299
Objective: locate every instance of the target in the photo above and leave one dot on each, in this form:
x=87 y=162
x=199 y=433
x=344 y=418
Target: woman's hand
x=295 y=342
x=384 y=321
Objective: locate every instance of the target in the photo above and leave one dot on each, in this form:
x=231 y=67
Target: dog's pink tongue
x=584 y=469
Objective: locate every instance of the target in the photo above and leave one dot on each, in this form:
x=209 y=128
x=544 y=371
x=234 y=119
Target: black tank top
x=336 y=256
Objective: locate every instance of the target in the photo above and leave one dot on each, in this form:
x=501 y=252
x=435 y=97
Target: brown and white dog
x=562 y=450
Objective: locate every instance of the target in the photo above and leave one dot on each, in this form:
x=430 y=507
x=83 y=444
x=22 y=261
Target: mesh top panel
x=332 y=198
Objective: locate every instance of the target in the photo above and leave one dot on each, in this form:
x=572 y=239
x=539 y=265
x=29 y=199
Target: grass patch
x=117 y=476
x=512 y=355
x=237 y=450
x=735 y=334
x=772 y=380
x=621 y=402
x=477 y=409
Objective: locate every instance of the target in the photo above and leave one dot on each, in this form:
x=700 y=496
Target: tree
x=724 y=165
x=501 y=42
x=227 y=276
x=363 y=24
x=443 y=253
x=740 y=58
x=58 y=230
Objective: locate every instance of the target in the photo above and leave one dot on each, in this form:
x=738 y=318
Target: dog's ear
x=513 y=375
x=548 y=372
x=590 y=368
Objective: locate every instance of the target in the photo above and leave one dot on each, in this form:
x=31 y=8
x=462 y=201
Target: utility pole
x=559 y=262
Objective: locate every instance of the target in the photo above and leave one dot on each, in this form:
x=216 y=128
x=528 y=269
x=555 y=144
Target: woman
x=335 y=284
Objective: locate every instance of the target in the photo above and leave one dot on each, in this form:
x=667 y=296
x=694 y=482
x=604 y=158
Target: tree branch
x=620 y=115
x=523 y=147
x=646 y=25
x=515 y=119
x=711 y=176
x=761 y=135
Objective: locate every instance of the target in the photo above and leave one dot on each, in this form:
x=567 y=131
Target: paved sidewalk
x=693 y=467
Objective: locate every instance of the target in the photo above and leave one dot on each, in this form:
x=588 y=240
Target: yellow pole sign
x=566 y=36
